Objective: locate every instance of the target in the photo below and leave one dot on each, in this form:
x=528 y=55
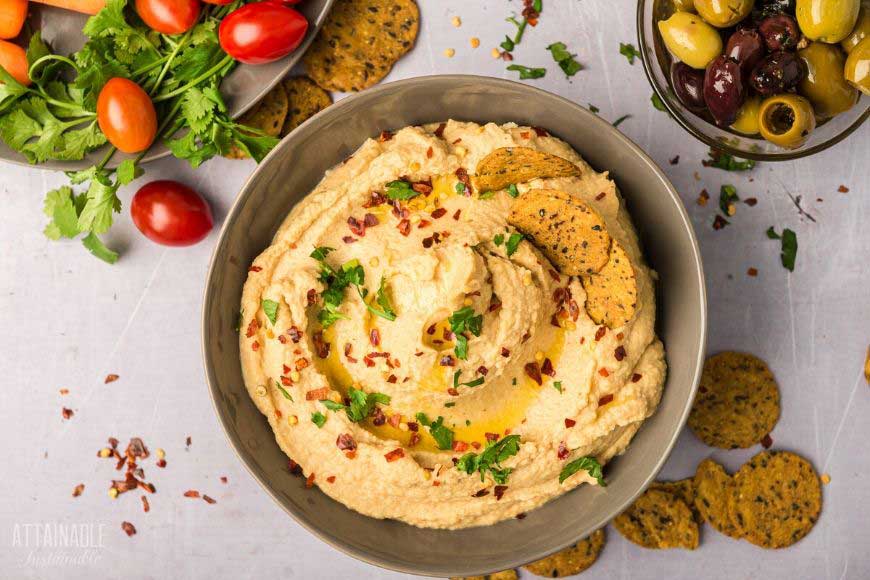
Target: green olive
x=861 y=29
x=857 y=70
x=824 y=84
x=690 y=39
x=827 y=20
x=747 y=116
x=723 y=13
x=786 y=120
x=684 y=5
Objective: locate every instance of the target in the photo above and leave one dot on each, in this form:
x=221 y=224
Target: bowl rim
x=337 y=109
x=666 y=99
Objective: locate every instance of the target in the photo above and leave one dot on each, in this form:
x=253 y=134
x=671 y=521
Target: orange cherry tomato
x=126 y=115
x=14 y=60
x=168 y=16
x=12 y=15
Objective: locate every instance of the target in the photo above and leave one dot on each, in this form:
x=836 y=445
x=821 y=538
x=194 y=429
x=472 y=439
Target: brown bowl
x=298 y=164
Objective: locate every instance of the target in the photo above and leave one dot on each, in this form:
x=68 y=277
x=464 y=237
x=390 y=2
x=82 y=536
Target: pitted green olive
x=786 y=120
x=684 y=5
x=747 y=116
x=824 y=84
x=724 y=13
x=861 y=29
x=827 y=20
x=858 y=66
x=690 y=39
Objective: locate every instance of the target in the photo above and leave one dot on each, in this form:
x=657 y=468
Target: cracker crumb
x=703 y=197
x=449 y=52
x=867 y=366
x=111 y=378
x=475 y=42
x=456 y=21
x=826 y=479
x=752 y=272
x=77 y=490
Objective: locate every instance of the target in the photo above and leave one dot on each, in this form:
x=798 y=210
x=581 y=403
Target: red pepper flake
x=424 y=224
x=447 y=361
x=309 y=481
x=66 y=413
x=330 y=479
x=209 y=500
x=600 y=196
x=462 y=176
x=317 y=394
x=599 y=334
x=843 y=189
x=404 y=227
x=534 y=372
x=604 y=400
x=675 y=160
x=146 y=507
x=460 y=446
x=766 y=441
x=302 y=363
x=582 y=340
x=491 y=436
x=375 y=337
x=541 y=132
x=385 y=136
x=349 y=239
x=255 y=346
x=223 y=479
x=429 y=153
x=719 y=222
x=452 y=392
x=480 y=493
x=620 y=336
x=255 y=269
x=439 y=132
x=482 y=370
x=570 y=423
x=128 y=528
x=369 y=361
x=505 y=352
x=750 y=201
x=191 y=493
x=161 y=463
x=547 y=368
x=498 y=491
x=77 y=490
x=294 y=468
x=375 y=200
x=345 y=442
x=554 y=275
x=394 y=455
x=424 y=187
x=619 y=353
x=521 y=516
x=636 y=377
x=392 y=379
x=311 y=296
x=64 y=391
x=252 y=328
x=350 y=454
x=356 y=227
x=414 y=439
x=526 y=336
x=439 y=213
x=603 y=372
x=563 y=452
x=752 y=272
x=111 y=379
x=456 y=214
x=457 y=141
x=525 y=134
x=282 y=339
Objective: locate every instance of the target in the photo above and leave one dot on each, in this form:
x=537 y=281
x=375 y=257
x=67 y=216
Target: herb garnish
x=283 y=391
x=513 y=191
x=351 y=273
x=361 y=404
x=721 y=160
x=318 y=419
x=473 y=383
x=270 y=309
x=441 y=434
x=528 y=72
x=513 y=243
x=498 y=239
x=593 y=108
x=657 y=103
x=565 y=59
x=400 y=190
x=619 y=121
x=629 y=51
x=461 y=321
x=510 y=43
x=557 y=385
x=489 y=461
x=727 y=197
x=589 y=464
x=789 y=246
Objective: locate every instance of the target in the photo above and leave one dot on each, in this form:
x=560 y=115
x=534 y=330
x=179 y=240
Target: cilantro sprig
x=788 y=246
x=462 y=321
x=442 y=435
x=721 y=160
x=361 y=404
x=472 y=383
x=629 y=52
x=565 y=59
x=488 y=462
x=585 y=463
x=351 y=273
x=528 y=72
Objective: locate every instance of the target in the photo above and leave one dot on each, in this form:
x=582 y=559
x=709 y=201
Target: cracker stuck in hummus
x=423 y=361
x=512 y=165
x=571 y=560
x=612 y=293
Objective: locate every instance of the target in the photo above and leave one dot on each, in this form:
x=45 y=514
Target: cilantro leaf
x=270 y=309
x=362 y=404
x=585 y=463
x=507 y=44
x=383 y=301
x=527 y=72
x=557 y=385
x=318 y=419
x=461 y=348
x=489 y=461
x=727 y=197
x=771 y=233
x=283 y=391
x=400 y=190
x=788 y=246
x=619 y=121
x=565 y=59
x=332 y=405
x=10 y=89
x=513 y=191
x=721 y=160
x=96 y=247
x=442 y=435
x=465 y=319
x=513 y=243
x=101 y=201
x=498 y=239
x=657 y=103
x=61 y=208
x=473 y=383
x=629 y=51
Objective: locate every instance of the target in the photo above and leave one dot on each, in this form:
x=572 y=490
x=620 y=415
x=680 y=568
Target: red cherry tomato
x=218 y=2
x=168 y=16
x=262 y=32
x=171 y=214
x=14 y=60
x=126 y=115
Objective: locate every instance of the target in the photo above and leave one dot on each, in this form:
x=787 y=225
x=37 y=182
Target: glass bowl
x=657 y=61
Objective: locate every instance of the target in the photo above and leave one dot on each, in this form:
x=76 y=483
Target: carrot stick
x=14 y=60
x=83 y=6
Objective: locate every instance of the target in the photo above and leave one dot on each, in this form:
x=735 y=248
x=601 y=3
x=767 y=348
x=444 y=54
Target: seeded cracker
x=658 y=520
x=512 y=165
x=504 y=575
x=714 y=495
x=570 y=233
x=778 y=498
x=360 y=42
x=611 y=294
x=572 y=560
x=305 y=100
x=267 y=116
x=737 y=402
x=683 y=489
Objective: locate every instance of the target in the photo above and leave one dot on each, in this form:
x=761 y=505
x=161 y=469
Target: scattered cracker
x=503 y=575
x=778 y=498
x=867 y=366
x=737 y=402
x=305 y=99
x=658 y=520
x=714 y=492
x=611 y=294
x=572 y=560
x=570 y=233
x=267 y=115
x=512 y=165
x=826 y=479
x=683 y=489
x=361 y=41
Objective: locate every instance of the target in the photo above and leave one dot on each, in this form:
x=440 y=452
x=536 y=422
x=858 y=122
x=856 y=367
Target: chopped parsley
x=588 y=464
x=528 y=72
x=557 y=385
x=727 y=197
x=473 y=383
x=721 y=160
x=498 y=239
x=565 y=59
x=361 y=404
x=318 y=419
x=513 y=243
x=619 y=121
x=656 y=101
x=400 y=190
x=629 y=51
x=441 y=434
x=513 y=191
x=270 y=308
x=510 y=43
x=461 y=321
x=486 y=195
x=489 y=461
x=450 y=404
x=593 y=108
x=460 y=188
x=789 y=246
x=351 y=273
x=283 y=391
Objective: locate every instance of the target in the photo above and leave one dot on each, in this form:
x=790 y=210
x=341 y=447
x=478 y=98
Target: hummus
x=419 y=359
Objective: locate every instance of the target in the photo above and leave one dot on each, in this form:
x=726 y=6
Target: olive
x=688 y=85
x=824 y=84
x=777 y=72
x=861 y=29
x=690 y=39
x=786 y=120
x=827 y=20
x=764 y=8
x=780 y=32
x=723 y=13
x=858 y=66
x=684 y=5
x=724 y=90
x=747 y=116
x=746 y=47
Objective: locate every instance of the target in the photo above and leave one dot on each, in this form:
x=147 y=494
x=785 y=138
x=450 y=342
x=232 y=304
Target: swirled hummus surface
x=419 y=358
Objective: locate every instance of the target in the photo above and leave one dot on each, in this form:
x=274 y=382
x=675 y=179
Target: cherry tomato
x=126 y=115
x=262 y=32
x=14 y=60
x=12 y=15
x=287 y=2
x=218 y=2
x=168 y=16
x=171 y=214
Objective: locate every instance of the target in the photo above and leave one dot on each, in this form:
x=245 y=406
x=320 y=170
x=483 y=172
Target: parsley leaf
x=657 y=103
x=283 y=391
x=593 y=108
x=270 y=308
x=350 y=274
x=473 y=383
x=441 y=434
x=318 y=419
x=461 y=321
x=619 y=121
x=727 y=197
x=513 y=243
x=400 y=190
x=96 y=247
x=788 y=245
x=489 y=461
x=588 y=464
x=557 y=385
x=527 y=72
x=565 y=59
x=721 y=160
x=513 y=191
x=771 y=233
x=498 y=239
x=383 y=300
x=361 y=405
x=628 y=51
